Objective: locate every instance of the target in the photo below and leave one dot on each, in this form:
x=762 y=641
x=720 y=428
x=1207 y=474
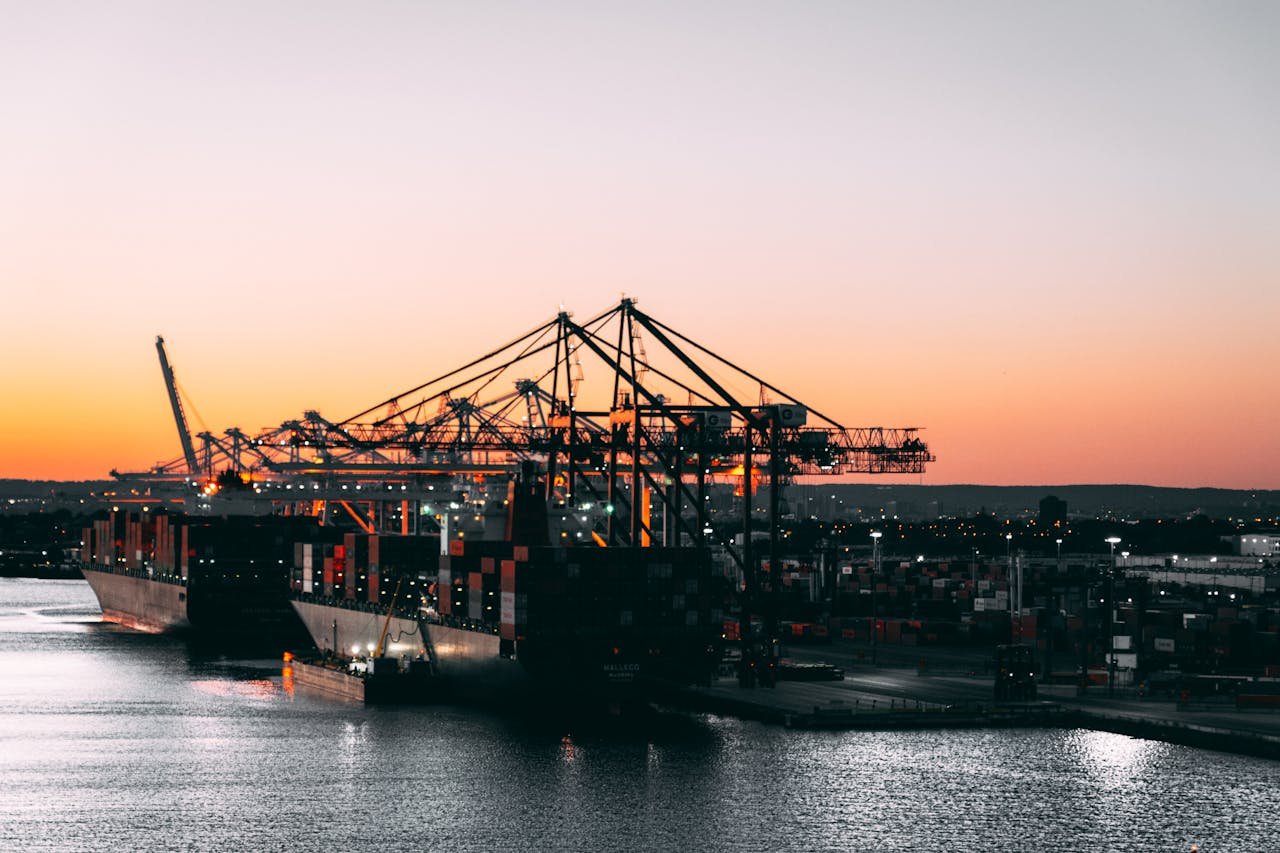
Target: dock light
x=355 y=650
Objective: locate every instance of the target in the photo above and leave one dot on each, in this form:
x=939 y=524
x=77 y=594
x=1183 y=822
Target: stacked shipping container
x=362 y=568
x=545 y=598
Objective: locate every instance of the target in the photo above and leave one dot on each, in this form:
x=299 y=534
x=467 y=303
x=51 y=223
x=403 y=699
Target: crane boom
x=179 y=417
x=452 y=424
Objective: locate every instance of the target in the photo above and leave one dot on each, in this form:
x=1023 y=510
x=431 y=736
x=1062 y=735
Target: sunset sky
x=1047 y=233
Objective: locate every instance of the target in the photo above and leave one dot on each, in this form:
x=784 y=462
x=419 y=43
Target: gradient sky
x=1048 y=233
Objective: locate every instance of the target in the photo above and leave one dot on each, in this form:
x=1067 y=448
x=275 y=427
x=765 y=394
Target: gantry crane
x=615 y=449
x=623 y=446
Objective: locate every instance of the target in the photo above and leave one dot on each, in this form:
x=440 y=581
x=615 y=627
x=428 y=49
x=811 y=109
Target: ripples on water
x=112 y=740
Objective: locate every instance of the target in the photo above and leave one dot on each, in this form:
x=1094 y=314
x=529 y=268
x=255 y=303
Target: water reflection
x=286 y=680
x=111 y=740
x=1114 y=760
x=568 y=751
x=262 y=689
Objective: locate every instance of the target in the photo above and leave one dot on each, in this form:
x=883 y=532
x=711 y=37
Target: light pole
x=1008 y=574
x=1138 y=650
x=1113 y=541
x=875 y=573
x=1056 y=601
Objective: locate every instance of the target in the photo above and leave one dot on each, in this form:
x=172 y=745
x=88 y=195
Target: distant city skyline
x=1043 y=233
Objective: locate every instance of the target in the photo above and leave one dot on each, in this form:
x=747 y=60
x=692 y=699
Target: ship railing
x=401 y=611
x=161 y=576
x=462 y=623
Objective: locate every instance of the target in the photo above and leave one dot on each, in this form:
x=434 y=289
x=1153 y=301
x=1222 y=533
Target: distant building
x=1265 y=544
x=1053 y=509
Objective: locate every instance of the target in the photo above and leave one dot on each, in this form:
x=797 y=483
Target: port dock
x=809 y=705
x=896 y=698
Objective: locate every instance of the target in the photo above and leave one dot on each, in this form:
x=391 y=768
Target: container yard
x=492 y=618
x=583 y=526
x=612 y=571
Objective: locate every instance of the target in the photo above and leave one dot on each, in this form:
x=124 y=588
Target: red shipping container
x=456 y=548
x=508 y=575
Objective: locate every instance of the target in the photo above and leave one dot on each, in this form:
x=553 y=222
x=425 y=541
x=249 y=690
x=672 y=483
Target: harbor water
x=115 y=740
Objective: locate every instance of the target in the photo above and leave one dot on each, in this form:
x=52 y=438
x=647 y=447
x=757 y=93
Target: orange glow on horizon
x=1002 y=424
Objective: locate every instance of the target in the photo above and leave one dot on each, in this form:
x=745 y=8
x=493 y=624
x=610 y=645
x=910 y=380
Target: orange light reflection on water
x=254 y=688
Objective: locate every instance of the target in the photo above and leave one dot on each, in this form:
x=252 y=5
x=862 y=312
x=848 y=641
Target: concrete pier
x=872 y=697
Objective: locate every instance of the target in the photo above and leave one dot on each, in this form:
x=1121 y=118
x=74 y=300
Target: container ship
x=224 y=580
x=495 y=618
